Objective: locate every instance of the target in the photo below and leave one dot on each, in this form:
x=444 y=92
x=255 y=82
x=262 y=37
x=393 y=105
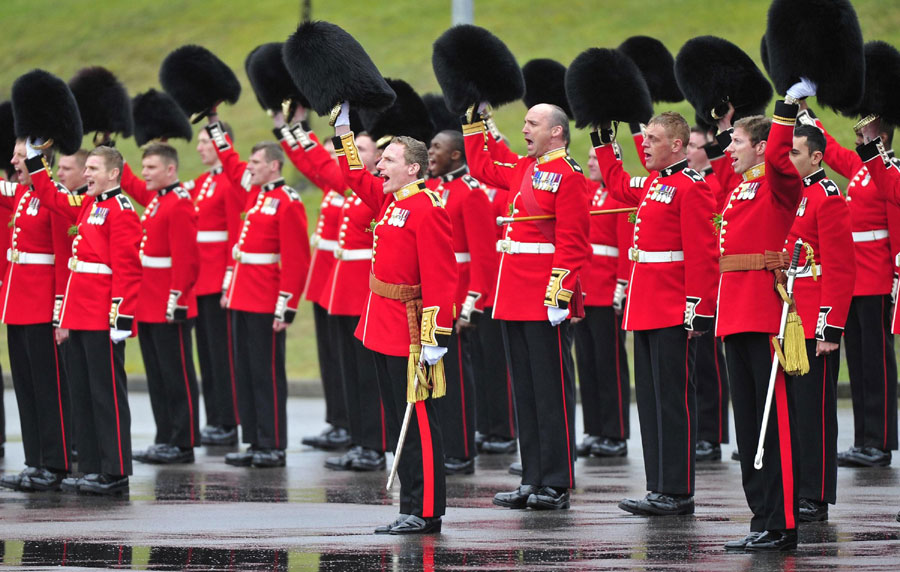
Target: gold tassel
x=438 y=380
x=796 y=362
x=811 y=259
x=415 y=391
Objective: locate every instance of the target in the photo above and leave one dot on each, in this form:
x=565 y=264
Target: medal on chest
x=545 y=181
x=801 y=210
x=662 y=193
x=98 y=215
x=33 y=205
x=398 y=217
x=747 y=191
x=270 y=206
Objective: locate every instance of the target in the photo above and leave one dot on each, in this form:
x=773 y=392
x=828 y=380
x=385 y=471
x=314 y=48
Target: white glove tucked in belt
x=433 y=354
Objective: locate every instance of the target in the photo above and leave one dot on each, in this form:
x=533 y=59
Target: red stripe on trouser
x=509 y=405
x=187 y=384
x=687 y=409
x=824 y=389
x=62 y=421
x=427 y=460
x=884 y=369
x=275 y=392
x=784 y=444
x=462 y=395
x=234 y=403
x=112 y=372
x=719 y=379
x=619 y=378
x=562 y=384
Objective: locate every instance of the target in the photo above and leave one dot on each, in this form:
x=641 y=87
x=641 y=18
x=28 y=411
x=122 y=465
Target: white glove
x=118 y=335
x=343 y=117
x=556 y=315
x=618 y=302
x=894 y=288
x=432 y=354
x=30 y=151
x=801 y=89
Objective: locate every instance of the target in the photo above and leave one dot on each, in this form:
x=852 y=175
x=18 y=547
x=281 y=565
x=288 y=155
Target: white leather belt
x=327 y=245
x=257 y=257
x=870 y=235
x=156 y=261
x=604 y=250
x=353 y=254
x=463 y=257
x=76 y=265
x=19 y=257
x=513 y=247
x=807 y=272
x=212 y=236
x=645 y=257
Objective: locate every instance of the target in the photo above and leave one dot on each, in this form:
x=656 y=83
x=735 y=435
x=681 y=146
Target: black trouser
x=100 y=402
x=171 y=381
x=40 y=384
x=710 y=376
x=330 y=371
x=667 y=409
x=365 y=411
x=456 y=410
x=423 y=487
x=495 y=414
x=261 y=379
x=215 y=367
x=543 y=378
x=815 y=400
x=603 y=373
x=872 y=366
x=771 y=491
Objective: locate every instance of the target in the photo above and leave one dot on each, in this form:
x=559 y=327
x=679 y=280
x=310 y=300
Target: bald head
x=546 y=128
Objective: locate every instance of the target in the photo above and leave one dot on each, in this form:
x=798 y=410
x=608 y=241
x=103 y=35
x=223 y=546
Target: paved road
x=210 y=516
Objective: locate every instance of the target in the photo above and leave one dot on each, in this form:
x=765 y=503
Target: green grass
x=131 y=39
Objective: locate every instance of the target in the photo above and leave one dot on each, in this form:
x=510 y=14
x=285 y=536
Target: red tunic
x=347 y=288
x=218 y=224
x=823 y=221
x=757 y=217
x=542 y=260
x=412 y=244
x=675 y=208
x=169 y=256
x=874 y=219
x=499 y=208
x=610 y=236
x=474 y=238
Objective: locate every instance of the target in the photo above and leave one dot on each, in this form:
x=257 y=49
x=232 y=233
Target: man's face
x=206 y=149
x=394 y=169
x=70 y=172
x=262 y=171
x=440 y=155
x=156 y=172
x=805 y=162
x=537 y=131
x=658 y=147
x=368 y=154
x=696 y=155
x=744 y=154
x=18 y=162
x=98 y=177
x=594 y=173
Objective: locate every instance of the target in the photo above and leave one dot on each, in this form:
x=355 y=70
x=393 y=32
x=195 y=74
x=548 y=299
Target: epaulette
x=435 y=198
x=124 y=202
x=693 y=175
x=830 y=187
x=502 y=164
x=638 y=182
x=181 y=193
x=575 y=166
x=471 y=181
x=8 y=189
x=188 y=185
x=290 y=192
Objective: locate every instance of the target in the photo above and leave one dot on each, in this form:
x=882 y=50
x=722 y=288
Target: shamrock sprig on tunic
x=372 y=224
x=717 y=222
x=73 y=230
x=632 y=217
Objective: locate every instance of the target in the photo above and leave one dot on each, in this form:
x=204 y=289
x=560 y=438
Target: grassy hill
x=131 y=39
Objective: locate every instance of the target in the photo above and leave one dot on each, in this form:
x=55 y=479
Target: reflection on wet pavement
x=209 y=516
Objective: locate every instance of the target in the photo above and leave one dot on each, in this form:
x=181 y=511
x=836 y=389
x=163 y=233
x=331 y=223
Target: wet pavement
x=209 y=516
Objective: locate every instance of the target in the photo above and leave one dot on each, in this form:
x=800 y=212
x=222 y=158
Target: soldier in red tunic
x=167 y=305
x=823 y=299
x=27 y=307
x=271 y=261
x=413 y=271
x=98 y=310
x=671 y=300
x=539 y=283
